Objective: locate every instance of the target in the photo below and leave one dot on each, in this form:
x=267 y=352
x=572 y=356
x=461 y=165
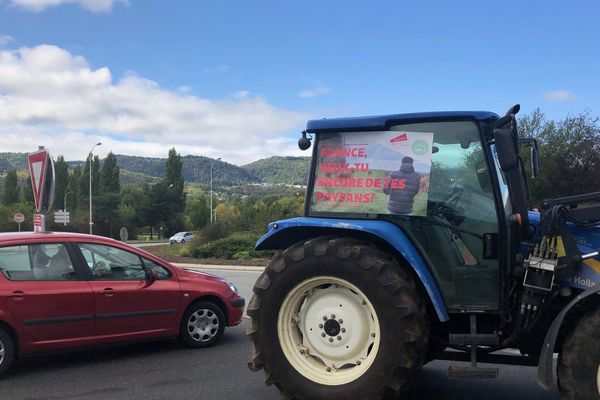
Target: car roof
x=382 y=122
x=29 y=236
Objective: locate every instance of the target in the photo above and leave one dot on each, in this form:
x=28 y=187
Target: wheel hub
x=1 y=352
x=203 y=325
x=332 y=327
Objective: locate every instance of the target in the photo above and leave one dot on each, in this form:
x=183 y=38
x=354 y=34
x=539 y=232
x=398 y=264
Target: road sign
x=62 y=217
x=41 y=169
x=39 y=223
x=19 y=218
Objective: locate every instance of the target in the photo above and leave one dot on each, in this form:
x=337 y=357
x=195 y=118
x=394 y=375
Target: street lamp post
x=65 y=204
x=211 y=189
x=90 y=155
x=65 y=200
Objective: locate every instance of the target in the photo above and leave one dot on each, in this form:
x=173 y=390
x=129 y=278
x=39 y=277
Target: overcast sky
x=239 y=79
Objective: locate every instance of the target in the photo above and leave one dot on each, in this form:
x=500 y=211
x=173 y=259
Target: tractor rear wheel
x=579 y=360
x=336 y=318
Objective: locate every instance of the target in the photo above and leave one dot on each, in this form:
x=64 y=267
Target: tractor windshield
x=432 y=180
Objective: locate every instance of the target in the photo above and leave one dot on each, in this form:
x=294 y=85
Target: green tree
x=11 y=189
x=61 y=181
x=28 y=191
x=568 y=152
x=172 y=198
x=198 y=211
x=83 y=190
x=106 y=201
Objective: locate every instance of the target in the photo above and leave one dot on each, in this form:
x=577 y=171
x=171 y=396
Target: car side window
x=161 y=271
x=107 y=263
x=37 y=262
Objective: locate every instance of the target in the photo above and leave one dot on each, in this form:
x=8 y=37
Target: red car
x=64 y=290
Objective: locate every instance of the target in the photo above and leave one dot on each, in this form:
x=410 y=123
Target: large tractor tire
x=336 y=318
x=579 y=361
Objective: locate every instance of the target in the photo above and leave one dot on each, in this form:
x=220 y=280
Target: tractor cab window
x=432 y=180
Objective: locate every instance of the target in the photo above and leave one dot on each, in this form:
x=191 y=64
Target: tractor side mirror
x=505 y=146
x=535 y=161
x=533 y=153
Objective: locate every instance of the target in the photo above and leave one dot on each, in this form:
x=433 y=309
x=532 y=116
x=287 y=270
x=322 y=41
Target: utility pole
x=211 y=190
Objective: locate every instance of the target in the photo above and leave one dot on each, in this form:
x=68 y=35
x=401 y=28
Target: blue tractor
x=419 y=243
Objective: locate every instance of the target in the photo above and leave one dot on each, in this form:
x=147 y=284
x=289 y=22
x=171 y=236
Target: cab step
x=473 y=340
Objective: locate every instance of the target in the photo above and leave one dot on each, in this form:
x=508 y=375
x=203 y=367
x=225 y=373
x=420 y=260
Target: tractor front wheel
x=579 y=360
x=336 y=318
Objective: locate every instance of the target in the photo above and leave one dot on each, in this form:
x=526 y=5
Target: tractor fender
x=284 y=233
x=545 y=371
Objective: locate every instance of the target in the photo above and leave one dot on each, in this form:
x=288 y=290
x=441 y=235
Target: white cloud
x=315 y=91
x=51 y=97
x=91 y=5
x=559 y=96
x=5 y=39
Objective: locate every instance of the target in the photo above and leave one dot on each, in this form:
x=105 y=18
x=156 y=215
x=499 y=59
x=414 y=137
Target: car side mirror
x=507 y=152
x=151 y=275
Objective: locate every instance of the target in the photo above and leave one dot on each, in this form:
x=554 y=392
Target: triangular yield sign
x=37 y=170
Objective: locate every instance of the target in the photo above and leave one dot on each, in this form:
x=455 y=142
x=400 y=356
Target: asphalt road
x=165 y=370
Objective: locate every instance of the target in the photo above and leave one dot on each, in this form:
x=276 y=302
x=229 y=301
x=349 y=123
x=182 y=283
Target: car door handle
x=17 y=294
x=108 y=292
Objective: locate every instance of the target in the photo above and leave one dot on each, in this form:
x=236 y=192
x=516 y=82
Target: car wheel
x=202 y=324
x=182 y=241
x=7 y=351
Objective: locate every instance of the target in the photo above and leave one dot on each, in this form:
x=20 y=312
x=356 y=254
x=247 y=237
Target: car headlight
x=233 y=288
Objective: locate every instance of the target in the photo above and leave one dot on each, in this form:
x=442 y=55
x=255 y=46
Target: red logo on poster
x=401 y=138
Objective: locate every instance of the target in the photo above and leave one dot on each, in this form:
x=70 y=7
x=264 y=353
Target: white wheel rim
x=203 y=325
x=1 y=352
x=328 y=330
x=598 y=380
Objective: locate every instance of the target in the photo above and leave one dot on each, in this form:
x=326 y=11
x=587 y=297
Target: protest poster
x=383 y=172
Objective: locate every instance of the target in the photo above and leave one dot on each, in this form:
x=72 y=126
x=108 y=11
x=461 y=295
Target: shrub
x=239 y=246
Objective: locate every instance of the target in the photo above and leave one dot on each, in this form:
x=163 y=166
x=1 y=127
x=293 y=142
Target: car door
x=45 y=294
x=126 y=301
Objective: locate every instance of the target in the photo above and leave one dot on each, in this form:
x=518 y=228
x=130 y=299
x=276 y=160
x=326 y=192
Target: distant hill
x=138 y=170
x=196 y=169
x=286 y=170
x=10 y=161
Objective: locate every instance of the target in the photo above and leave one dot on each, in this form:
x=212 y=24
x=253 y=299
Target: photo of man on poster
x=402 y=187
